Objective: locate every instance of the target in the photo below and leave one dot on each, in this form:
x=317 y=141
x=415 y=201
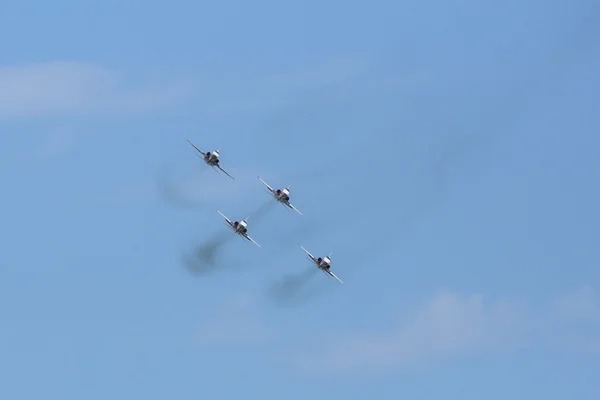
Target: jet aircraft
x=239 y=227
x=211 y=158
x=281 y=195
x=323 y=263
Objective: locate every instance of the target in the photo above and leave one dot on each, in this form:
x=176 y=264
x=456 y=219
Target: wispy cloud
x=445 y=325
x=579 y=304
x=64 y=88
x=451 y=324
x=69 y=87
x=575 y=321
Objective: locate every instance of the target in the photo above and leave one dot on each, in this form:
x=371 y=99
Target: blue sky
x=445 y=152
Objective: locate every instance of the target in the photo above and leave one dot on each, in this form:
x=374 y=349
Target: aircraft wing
x=293 y=208
x=265 y=183
x=252 y=240
x=226 y=219
x=199 y=151
x=225 y=172
x=310 y=255
x=333 y=275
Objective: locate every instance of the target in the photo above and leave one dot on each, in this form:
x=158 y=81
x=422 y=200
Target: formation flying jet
x=239 y=227
x=324 y=264
x=281 y=195
x=211 y=158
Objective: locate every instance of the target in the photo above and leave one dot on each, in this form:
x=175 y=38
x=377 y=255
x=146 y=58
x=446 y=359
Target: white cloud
x=62 y=88
x=453 y=325
x=579 y=304
x=446 y=325
x=67 y=88
x=574 y=321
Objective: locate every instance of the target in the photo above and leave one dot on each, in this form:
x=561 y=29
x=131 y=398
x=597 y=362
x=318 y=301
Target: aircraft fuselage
x=212 y=158
x=324 y=262
x=282 y=195
x=240 y=226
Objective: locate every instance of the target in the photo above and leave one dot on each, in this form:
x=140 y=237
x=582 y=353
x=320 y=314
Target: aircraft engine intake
x=319 y=259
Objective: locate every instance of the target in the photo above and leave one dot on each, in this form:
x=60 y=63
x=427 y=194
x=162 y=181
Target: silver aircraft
x=281 y=195
x=239 y=227
x=323 y=263
x=211 y=158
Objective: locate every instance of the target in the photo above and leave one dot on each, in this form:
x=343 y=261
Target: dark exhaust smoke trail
x=291 y=289
x=172 y=193
x=206 y=257
x=261 y=211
